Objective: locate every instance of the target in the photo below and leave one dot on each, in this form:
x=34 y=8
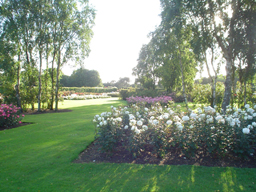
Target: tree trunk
x=46 y=76
x=245 y=92
x=209 y=74
x=17 y=86
x=183 y=83
x=215 y=80
x=57 y=80
x=228 y=83
x=52 y=77
x=39 y=80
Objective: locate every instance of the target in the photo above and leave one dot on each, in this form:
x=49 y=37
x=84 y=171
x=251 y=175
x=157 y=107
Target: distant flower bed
x=9 y=115
x=163 y=100
x=84 y=97
x=204 y=130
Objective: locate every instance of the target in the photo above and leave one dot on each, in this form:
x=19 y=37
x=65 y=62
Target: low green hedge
x=89 y=89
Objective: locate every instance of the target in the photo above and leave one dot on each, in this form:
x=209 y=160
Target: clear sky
x=121 y=28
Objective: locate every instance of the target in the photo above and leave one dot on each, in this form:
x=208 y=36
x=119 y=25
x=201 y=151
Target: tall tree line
x=36 y=33
x=82 y=78
x=196 y=30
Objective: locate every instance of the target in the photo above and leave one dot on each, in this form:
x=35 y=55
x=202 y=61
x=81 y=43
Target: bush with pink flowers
x=148 y=101
x=10 y=115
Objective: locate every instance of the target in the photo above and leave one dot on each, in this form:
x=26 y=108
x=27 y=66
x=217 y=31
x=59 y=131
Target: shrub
x=203 y=130
x=178 y=97
x=88 y=89
x=114 y=94
x=125 y=93
x=9 y=115
x=202 y=93
x=148 y=101
x=132 y=92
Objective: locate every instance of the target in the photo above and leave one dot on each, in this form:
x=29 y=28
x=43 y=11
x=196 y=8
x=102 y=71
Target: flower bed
x=85 y=97
x=163 y=128
x=148 y=101
x=10 y=115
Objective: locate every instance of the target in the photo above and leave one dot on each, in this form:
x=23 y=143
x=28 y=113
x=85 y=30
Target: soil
x=30 y=112
x=173 y=157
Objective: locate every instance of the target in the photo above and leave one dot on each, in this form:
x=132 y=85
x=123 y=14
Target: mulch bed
x=92 y=154
x=30 y=112
x=173 y=157
x=14 y=126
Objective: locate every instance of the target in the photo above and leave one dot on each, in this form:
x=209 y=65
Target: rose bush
x=10 y=115
x=161 y=128
x=148 y=101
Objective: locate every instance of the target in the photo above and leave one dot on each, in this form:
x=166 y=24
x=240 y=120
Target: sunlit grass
x=38 y=157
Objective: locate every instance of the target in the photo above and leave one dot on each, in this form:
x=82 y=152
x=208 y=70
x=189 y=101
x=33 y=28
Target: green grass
x=38 y=157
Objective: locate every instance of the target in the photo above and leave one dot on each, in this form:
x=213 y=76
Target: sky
x=121 y=28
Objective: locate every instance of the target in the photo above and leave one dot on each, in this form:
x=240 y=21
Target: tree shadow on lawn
x=173 y=157
x=124 y=177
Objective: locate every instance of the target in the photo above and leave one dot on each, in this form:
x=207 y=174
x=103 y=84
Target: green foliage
x=82 y=78
x=47 y=148
x=132 y=92
x=9 y=115
x=146 y=68
x=125 y=93
x=162 y=128
x=88 y=89
x=122 y=83
x=116 y=94
x=35 y=32
x=202 y=93
x=178 y=97
x=207 y=80
x=108 y=132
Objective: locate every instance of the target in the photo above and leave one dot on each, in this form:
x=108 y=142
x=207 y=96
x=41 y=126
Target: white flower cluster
x=141 y=125
x=142 y=119
x=113 y=118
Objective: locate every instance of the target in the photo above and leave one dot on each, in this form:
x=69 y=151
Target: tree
x=37 y=30
x=73 y=34
x=82 y=78
x=146 y=67
x=222 y=21
x=123 y=82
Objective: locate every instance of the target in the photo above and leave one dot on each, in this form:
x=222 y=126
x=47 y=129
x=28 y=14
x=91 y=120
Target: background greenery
x=38 y=157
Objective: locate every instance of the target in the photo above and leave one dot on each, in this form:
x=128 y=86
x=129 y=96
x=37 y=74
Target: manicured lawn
x=38 y=157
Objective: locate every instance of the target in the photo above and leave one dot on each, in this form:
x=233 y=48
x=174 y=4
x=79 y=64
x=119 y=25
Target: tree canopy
x=82 y=78
x=189 y=30
x=37 y=32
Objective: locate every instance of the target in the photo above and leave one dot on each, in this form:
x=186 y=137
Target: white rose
x=169 y=122
x=246 y=130
x=180 y=127
x=137 y=131
x=185 y=118
x=155 y=122
x=139 y=123
x=145 y=127
x=193 y=115
x=247 y=106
